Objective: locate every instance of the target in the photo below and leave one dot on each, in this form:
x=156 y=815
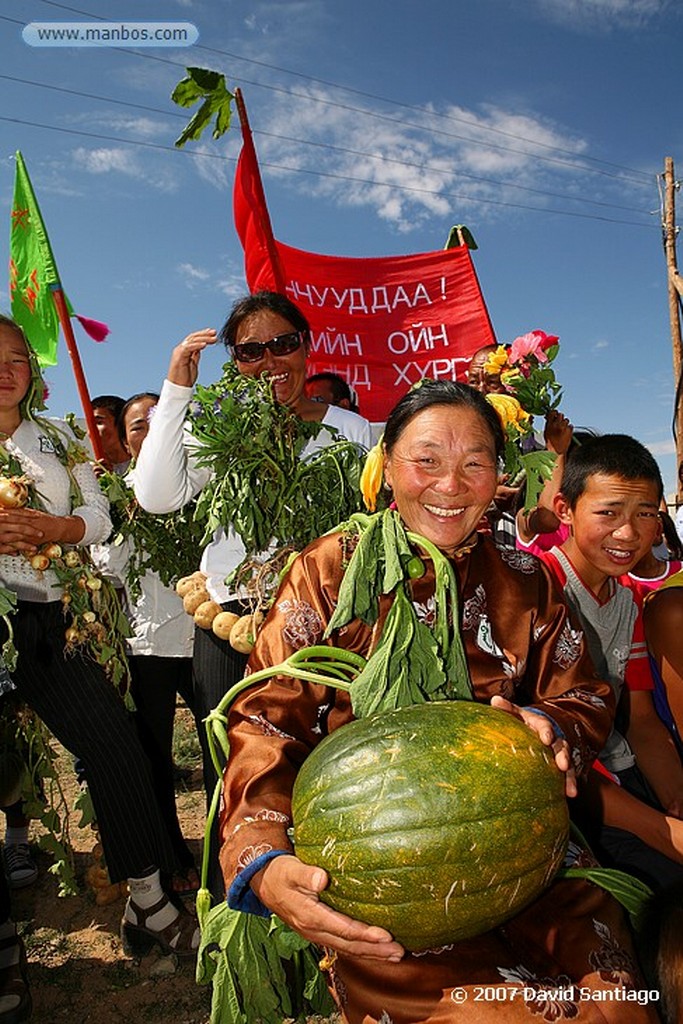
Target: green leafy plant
x=30 y=773
x=216 y=100
x=167 y=544
x=263 y=484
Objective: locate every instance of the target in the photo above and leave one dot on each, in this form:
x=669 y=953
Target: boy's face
x=613 y=524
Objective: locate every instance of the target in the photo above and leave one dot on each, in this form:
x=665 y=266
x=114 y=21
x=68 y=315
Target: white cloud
x=603 y=14
x=192 y=274
x=411 y=167
x=216 y=162
x=134 y=125
x=104 y=160
x=117 y=160
x=602 y=343
x=191 y=271
x=230 y=281
x=662 y=447
x=232 y=284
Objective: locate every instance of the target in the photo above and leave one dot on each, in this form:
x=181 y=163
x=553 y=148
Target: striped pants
x=81 y=708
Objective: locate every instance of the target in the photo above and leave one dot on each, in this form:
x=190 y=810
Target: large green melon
x=438 y=821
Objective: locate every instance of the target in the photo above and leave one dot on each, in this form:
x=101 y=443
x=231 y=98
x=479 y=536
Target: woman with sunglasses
x=267 y=335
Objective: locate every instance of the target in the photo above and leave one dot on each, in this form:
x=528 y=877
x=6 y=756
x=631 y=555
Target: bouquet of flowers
x=529 y=388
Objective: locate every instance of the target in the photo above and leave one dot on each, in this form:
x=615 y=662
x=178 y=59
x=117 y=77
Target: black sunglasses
x=281 y=345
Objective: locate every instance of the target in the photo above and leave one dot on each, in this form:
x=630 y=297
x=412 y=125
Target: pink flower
x=535 y=343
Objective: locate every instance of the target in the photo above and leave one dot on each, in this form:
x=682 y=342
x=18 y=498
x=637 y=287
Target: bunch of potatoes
x=239 y=630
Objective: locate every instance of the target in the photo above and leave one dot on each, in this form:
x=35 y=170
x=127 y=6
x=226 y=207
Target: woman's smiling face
x=286 y=373
x=443 y=473
x=15 y=368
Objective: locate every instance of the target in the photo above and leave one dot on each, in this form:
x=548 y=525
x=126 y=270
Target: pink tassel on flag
x=94 y=328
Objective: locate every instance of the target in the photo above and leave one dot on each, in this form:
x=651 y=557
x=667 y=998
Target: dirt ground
x=78 y=971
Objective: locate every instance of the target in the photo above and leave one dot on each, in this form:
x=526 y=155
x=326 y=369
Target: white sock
x=14 y=835
x=8 y=958
x=144 y=893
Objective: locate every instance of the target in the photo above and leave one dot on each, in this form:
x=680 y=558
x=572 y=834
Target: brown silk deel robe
x=567 y=956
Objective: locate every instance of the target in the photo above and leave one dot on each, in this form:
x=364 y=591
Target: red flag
x=381 y=323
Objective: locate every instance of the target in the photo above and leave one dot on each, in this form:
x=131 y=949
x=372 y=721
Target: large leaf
x=209 y=86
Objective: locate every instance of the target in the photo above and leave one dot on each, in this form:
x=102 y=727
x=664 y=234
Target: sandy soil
x=77 y=968
x=78 y=971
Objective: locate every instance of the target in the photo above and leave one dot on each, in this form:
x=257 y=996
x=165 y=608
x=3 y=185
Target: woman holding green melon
x=389 y=587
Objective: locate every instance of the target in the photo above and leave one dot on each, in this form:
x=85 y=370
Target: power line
x=332 y=148
x=418 y=109
x=643 y=178
x=459 y=173
x=325 y=174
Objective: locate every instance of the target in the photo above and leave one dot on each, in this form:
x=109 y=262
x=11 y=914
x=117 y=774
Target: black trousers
x=5 y=913
x=81 y=708
x=216 y=666
x=156 y=681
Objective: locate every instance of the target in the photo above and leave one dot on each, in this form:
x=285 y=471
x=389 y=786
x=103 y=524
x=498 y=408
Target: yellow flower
x=510 y=412
x=371 y=477
x=496 y=361
x=510 y=377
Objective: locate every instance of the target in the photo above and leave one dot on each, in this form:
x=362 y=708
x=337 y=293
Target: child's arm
x=542 y=519
x=663 y=615
x=609 y=803
x=655 y=751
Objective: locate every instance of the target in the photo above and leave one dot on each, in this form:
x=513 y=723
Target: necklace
x=5 y=435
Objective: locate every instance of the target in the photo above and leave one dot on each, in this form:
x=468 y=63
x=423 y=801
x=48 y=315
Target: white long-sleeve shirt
x=32 y=445
x=167 y=475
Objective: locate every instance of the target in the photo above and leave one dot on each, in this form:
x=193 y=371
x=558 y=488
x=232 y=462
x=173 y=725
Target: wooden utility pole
x=675 y=291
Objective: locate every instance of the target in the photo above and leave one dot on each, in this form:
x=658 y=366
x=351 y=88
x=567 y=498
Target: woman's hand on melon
x=545 y=732
x=291 y=890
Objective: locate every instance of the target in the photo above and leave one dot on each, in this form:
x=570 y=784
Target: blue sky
x=541 y=124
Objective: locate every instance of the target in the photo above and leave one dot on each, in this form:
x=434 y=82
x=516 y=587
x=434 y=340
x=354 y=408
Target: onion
x=13 y=492
x=52 y=550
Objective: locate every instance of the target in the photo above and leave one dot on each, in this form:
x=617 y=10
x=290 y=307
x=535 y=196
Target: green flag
x=32 y=270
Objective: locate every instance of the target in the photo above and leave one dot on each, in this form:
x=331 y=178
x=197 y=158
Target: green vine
x=30 y=774
x=166 y=544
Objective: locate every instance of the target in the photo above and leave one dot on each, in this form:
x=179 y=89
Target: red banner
x=382 y=323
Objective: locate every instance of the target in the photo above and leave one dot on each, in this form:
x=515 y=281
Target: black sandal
x=13 y=982
x=138 y=939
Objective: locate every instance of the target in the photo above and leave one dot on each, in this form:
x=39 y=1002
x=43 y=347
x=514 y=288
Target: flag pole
x=65 y=320
x=261 y=210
